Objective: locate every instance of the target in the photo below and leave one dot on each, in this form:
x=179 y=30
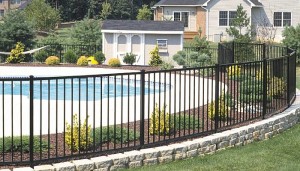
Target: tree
x=123 y=9
x=106 y=10
x=86 y=32
x=291 y=39
x=240 y=23
x=42 y=15
x=155 y=59
x=72 y=10
x=144 y=13
x=15 y=28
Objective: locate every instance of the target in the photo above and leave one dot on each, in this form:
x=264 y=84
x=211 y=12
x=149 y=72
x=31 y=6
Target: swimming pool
x=91 y=88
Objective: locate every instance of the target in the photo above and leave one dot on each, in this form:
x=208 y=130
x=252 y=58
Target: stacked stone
x=198 y=147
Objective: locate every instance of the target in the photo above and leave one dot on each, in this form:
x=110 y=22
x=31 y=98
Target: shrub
x=106 y=134
x=184 y=122
x=155 y=59
x=40 y=56
x=223 y=108
x=52 y=60
x=70 y=57
x=114 y=62
x=233 y=71
x=21 y=144
x=16 y=55
x=129 y=58
x=92 y=60
x=79 y=143
x=159 y=121
x=99 y=57
x=166 y=65
x=277 y=87
x=82 y=61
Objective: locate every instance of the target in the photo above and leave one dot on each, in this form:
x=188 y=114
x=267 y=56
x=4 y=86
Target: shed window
x=162 y=45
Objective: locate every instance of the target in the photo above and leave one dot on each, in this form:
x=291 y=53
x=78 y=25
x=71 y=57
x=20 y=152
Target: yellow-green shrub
x=159 y=121
x=223 y=108
x=277 y=87
x=52 y=60
x=85 y=139
x=82 y=61
x=16 y=55
x=92 y=60
x=233 y=71
x=114 y=62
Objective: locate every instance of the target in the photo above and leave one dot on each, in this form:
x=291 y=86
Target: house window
x=162 y=45
x=15 y=1
x=182 y=16
x=226 y=18
x=1 y=12
x=282 y=19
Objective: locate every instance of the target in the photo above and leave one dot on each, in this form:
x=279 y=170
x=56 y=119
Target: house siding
x=108 y=46
x=174 y=45
x=214 y=7
x=264 y=15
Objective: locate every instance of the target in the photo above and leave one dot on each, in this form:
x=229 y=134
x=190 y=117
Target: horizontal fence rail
x=46 y=119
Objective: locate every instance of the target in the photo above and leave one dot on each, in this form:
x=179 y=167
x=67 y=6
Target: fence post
x=265 y=86
x=142 y=109
x=217 y=71
x=233 y=54
x=31 y=120
x=288 y=76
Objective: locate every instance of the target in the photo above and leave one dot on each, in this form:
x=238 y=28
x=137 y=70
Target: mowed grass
x=298 y=77
x=281 y=152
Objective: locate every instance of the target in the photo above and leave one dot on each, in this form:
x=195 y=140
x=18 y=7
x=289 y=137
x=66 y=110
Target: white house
x=268 y=17
x=140 y=37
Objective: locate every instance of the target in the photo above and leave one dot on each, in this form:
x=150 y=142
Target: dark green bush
x=108 y=135
x=70 y=57
x=22 y=146
x=99 y=57
x=41 y=56
x=184 y=122
x=129 y=58
x=166 y=65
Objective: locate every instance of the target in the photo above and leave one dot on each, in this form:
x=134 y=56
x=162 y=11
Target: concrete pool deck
x=50 y=116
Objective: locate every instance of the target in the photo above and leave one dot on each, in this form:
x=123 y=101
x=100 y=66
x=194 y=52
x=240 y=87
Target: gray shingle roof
x=180 y=2
x=142 y=25
x=192 y=2
x=256 y=2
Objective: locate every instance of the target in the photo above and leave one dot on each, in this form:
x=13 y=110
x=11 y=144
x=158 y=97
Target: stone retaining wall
x=258 y=131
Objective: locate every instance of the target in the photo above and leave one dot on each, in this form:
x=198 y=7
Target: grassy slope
x=280 y=153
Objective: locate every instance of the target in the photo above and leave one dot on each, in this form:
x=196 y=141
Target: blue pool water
x=82 y=89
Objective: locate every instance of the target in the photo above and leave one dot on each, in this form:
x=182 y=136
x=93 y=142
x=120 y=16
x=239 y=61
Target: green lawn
x=298 y=78
x=282 y=152
x=279 y=153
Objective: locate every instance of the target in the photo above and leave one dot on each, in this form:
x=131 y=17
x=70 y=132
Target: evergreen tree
x=144 y=13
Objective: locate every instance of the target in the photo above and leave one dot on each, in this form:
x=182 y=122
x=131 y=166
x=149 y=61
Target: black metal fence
x=47 y=119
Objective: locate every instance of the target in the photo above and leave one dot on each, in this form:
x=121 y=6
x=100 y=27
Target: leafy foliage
x=144 y=13
x=233 y=71
x=240 y=22
x=52 y=60
x=123 y=9
x=78 y=135
x=106 y=10
x=70 y=57
x=87 y=32
x=21 y=144
x=16 y=55
x=42 y=15
x=129 y=58
x=223 y=108
x=99 y=56
x=40 y=56
x=155 y=59
x=106 y=134
x=82 y=61
x=291 y=39
x=159 y=121
x=15 y=28
x=194 y=59
x=114 y=62
x=166 y=65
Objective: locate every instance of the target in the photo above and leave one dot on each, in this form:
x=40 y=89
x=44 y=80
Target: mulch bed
x=237 y=119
